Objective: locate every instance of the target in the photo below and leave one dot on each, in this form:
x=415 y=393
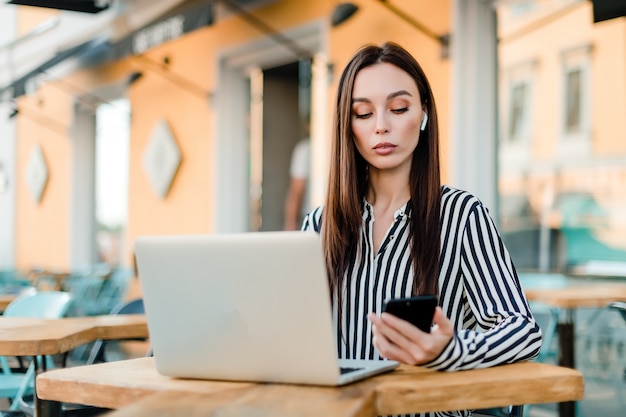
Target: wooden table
x=59 y=277
x=36 y=337
x=5 y=300
x=590 y=295
x=135 y=387
x=32 y=337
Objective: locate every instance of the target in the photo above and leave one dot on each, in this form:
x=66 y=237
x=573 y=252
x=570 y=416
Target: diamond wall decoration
x=161 y=158
x=36 y=173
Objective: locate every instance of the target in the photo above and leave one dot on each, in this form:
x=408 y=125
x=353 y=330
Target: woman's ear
x=424 y=120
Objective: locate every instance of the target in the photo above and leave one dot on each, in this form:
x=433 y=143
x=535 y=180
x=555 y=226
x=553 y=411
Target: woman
x=390 y=229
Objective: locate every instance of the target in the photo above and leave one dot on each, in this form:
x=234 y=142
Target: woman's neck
x=388 y=189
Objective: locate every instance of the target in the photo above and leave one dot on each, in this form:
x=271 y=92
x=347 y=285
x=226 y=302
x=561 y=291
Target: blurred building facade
x=215 y=94
x=562 y=133
x=218 y=93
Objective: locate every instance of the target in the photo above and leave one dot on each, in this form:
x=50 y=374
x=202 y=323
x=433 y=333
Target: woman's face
x=386 y=116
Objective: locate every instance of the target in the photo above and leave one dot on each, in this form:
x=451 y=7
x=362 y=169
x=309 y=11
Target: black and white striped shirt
x=478 y=288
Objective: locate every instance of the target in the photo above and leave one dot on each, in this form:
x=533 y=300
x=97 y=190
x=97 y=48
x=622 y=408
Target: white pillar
x=473 y=145
x=83 y=226
x=8 y=30
x=320 y=129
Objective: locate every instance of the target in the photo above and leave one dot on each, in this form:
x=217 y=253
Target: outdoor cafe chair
x=13 y=282
x=547 y=317
x=97 y=290
x=620 y=307
x=98 y=354
x=98 y=350
x=44 y=305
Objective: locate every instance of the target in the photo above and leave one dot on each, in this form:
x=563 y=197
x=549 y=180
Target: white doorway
x=112 y=173
x=100 y=164
x=236 y=160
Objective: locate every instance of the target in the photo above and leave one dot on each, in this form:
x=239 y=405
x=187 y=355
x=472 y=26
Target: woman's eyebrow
x=389 y=97
x=399 y=93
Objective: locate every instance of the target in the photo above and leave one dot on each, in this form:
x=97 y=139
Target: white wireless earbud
x=424 y=120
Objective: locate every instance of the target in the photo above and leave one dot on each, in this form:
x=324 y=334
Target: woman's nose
x=381 y=125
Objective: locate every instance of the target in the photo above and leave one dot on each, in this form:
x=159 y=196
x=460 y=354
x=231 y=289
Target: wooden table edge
x=558 y=384
x=391 y=393
x=81 y=330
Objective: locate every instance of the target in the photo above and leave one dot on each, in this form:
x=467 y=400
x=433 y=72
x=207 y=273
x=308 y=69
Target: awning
x=19 y=86
x=185 y=18
x=85 y=6
x=608 y=9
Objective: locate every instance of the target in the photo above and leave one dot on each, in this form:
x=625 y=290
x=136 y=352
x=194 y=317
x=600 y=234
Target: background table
x=5 y=300
x=37 y=337
x=33 y=337
x=136 y=384
x=590 y=295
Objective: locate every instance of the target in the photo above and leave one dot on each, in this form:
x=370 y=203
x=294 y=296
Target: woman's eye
x=362 y=115
x=401 y=110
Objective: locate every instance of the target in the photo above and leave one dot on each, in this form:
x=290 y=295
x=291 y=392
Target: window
x=523 y=7
x=575 y=140
x=517 y=112
x=517 y=96
x=573 y=100
x=112 y=173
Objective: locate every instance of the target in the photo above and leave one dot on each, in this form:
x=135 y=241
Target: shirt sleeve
x=300 y=160
x=505 y=330
x=313 y=220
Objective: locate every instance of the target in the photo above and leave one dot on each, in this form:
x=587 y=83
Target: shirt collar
x=402 y=212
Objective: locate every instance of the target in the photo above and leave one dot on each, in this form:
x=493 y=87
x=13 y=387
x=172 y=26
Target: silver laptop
x=243 y=307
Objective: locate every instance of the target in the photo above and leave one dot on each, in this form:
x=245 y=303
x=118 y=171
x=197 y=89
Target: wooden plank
x=20 y=336
x=415 y=389
x=117 y=384
x=40 y=338
x=258 y=401
x=5 y=300
x=408 y=389
x=120 y=326
x=597 y=295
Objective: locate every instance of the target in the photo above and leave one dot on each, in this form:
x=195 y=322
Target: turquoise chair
x=548 y=317
x=46 y=305
x=114 y=289
x=109 y=292
x=85 y=290
x=13 y=282
x=98 y=350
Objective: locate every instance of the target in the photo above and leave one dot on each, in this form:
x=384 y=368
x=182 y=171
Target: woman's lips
x=384 y=148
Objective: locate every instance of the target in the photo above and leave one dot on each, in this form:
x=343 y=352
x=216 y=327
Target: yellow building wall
x=609 y=87
x=543 y=42
x=42 y=226
x=553 y=28
x=29 y=17
x=43 y=229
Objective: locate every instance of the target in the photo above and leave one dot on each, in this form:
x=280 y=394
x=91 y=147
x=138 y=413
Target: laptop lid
x=244 y=307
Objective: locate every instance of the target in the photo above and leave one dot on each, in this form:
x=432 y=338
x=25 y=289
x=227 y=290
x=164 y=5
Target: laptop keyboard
x=346 y=369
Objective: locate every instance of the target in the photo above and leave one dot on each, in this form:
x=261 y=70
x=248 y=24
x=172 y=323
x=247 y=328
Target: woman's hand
x=399 y=340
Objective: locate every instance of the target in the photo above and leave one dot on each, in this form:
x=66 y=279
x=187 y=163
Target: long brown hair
x=347 y=183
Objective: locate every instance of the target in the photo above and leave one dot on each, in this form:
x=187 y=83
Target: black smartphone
x=418 y=310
